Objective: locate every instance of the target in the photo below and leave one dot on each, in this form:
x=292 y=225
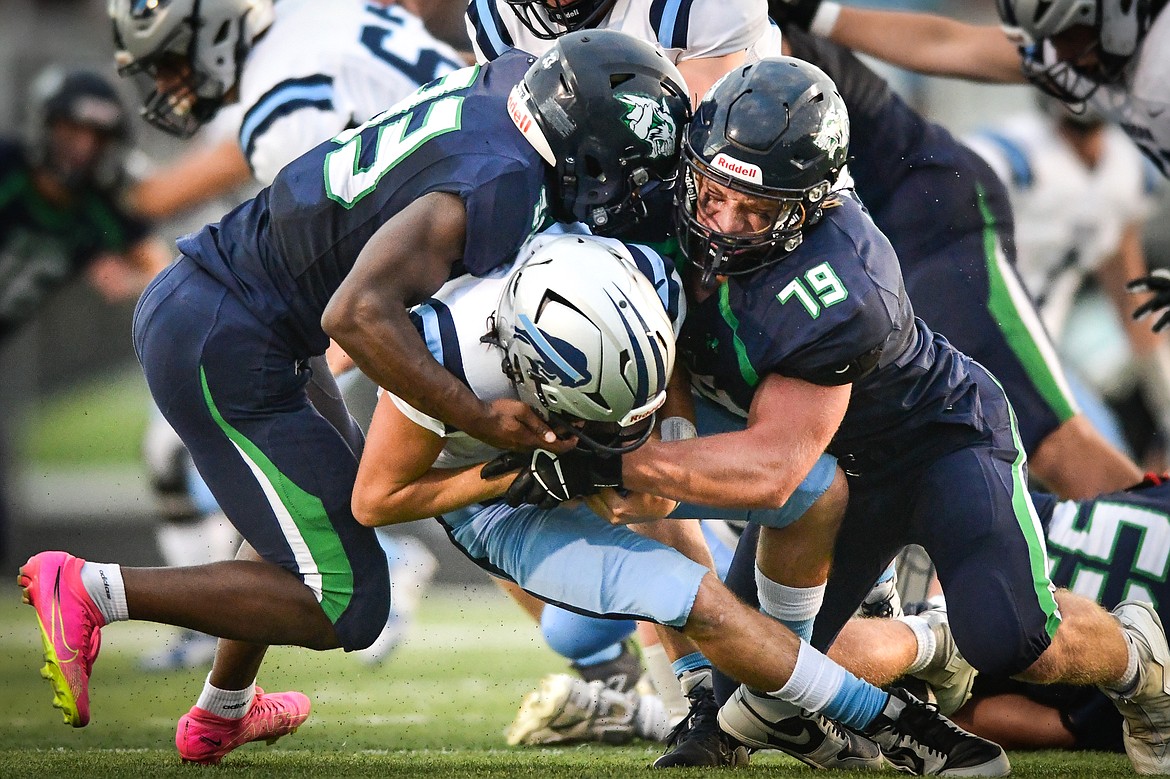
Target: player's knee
x=576 y=636
x=363 y=619
x=712 y=610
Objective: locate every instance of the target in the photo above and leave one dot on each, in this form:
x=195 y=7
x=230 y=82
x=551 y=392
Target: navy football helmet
x=85 y=99
x=776 y=131
x=1118 y=28
x=549 y=19
x=607 y=112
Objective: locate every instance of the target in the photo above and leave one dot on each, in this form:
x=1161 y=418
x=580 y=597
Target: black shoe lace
x=933 y=732
x=701 y=722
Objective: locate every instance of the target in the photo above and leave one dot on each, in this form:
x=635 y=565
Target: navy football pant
x=963 y=496
x=282 y=473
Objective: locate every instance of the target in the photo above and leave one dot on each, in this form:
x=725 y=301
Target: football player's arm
x=407 y=260
x=930 y=44
x=194 y=178
x=790 y=423
x=396 y=481
x=701 y=73
x=119 y=277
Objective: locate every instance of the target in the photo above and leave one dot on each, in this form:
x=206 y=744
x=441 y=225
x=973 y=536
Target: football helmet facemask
x=606 y=111
x=1115 y=30
x=587 y=342
x=774 y=133
x=186 y=56
x=554 y=18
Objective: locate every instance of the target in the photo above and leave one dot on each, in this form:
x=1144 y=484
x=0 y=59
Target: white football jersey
x=325 y=66
x=1140 y=104
x=457 y=317
x=1069 y=218
x=682 y=29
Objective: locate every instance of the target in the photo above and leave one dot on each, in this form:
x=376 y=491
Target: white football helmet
x=586 y=339
x=1120 y=27
x=187 y=54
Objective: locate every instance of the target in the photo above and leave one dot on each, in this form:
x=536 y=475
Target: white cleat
x=949 y=675
x=768 y=723
x=1147 y=710
x=567 y=710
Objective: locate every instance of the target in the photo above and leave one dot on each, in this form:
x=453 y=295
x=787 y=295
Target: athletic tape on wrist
x=677 y=429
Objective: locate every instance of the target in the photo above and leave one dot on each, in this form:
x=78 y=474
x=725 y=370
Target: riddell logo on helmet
x=518 y=111
x=742 y=170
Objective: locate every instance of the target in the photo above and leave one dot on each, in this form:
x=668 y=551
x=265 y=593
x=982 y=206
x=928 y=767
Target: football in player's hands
x=798 y=12
x=1158 y=283
x=547 y=479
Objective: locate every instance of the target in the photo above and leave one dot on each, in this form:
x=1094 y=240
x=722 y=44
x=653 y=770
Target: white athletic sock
x=814 y=682
x=664 y=681
x=229 y=704
x=103 y=582
x=1128 y=683
x=927 y=643
x=795 y=607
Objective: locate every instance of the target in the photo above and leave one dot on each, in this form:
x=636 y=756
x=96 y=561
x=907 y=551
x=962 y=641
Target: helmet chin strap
x=711 y=270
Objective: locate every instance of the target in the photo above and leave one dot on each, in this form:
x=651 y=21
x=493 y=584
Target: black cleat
x=697 y=739
x=917 y=739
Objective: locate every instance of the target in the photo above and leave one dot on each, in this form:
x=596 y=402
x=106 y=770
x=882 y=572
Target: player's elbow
x=374 y=511
x=347 y=315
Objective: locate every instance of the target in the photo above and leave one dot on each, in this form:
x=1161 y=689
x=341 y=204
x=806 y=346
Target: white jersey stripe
x=306 y=565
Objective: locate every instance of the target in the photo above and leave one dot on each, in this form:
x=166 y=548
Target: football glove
x=547 y=479
x=1158 y=282
x=797 y=12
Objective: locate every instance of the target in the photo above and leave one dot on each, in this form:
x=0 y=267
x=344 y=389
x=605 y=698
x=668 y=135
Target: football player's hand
x=512 y=424
x=1158 y=283
x=798 y=12
x=621 y=507
x=547 y=479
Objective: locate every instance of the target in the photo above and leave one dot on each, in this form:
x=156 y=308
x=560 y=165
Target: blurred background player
x=1112 y=55
x=1081 y=193
x=292 y=77
x=60 y=210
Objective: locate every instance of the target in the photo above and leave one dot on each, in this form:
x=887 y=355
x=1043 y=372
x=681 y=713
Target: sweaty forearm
x=436 y=492
x=726 y=471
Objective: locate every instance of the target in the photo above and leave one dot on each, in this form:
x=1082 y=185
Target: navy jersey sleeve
x=502 y=212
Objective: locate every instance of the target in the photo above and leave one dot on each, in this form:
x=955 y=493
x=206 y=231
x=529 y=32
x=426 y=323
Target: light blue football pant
x=571 y=557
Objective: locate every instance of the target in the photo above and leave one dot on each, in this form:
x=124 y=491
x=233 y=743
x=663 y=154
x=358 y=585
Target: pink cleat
x=205 y=738
x=70 y=626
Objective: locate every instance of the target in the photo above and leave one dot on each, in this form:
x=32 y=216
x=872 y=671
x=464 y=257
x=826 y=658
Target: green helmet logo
x=650 y=120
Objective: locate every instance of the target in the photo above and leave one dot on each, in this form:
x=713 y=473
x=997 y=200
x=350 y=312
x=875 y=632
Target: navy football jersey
x=833 y=312
x=286 y=251
x=1115 y=547
x=43 y=245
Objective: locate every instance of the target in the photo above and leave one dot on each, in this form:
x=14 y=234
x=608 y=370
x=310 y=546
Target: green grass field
x=436 y=709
